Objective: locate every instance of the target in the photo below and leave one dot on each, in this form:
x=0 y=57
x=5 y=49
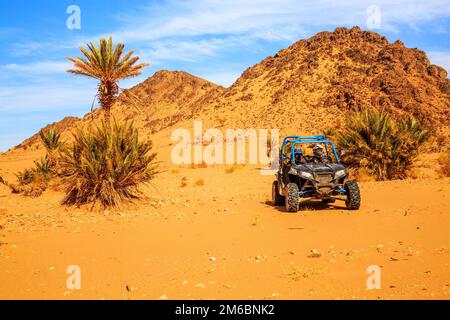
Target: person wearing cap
x=319 y=155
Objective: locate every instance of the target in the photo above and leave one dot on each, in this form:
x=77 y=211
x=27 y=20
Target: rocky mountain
x=311 y=85
x=305 y=89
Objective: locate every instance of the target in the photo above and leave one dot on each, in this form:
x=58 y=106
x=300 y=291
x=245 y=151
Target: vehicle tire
x=277 y=198
x=327 y=201
x=353 y=201
x=291 y=197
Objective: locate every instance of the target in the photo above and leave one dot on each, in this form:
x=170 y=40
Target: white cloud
x=160 y=27
x=269 y=19
x=46 y=96
x=37 y=68
x=188 y=30
x=440 y=58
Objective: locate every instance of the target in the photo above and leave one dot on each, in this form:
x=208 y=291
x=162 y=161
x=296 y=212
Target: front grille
x=324 y=178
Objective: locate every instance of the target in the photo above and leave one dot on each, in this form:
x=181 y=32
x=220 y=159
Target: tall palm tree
x=107 y=64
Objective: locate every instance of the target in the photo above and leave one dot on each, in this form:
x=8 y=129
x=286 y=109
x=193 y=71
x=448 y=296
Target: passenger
x=298 y=157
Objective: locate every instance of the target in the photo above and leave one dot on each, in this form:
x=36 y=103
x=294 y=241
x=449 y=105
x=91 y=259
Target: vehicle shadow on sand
x=310 y=205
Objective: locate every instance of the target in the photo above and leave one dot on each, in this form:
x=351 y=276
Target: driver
x=298 y=157
x=319 y=154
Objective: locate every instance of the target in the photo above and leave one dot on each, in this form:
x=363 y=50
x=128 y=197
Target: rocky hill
x=312 y=84
x=306 y=88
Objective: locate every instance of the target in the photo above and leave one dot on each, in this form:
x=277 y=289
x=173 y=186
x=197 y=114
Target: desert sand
x=220 y=238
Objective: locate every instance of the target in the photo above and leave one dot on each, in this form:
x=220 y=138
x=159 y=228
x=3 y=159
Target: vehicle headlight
x=306 y=175
x=339 y=174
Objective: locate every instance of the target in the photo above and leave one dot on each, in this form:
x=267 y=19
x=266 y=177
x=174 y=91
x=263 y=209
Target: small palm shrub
x=386 y=147
x=106 y=165
x=25 y=176
x=44 y=166
x=32 y=182
x=52 y=143
x=51 y=139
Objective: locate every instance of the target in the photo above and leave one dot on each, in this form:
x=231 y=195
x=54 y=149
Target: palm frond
x=106 y=165
x=384 y=146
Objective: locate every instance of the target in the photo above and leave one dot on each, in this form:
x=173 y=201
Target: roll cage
x=294 y=140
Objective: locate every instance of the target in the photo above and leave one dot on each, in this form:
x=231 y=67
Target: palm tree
x=384 y=145
x=107 y=64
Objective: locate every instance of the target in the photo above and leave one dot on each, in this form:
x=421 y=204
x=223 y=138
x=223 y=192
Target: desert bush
x=52 y=142
x=34 y=181
x=386 y=147
x=203 y=165
x=232 y=168
x=25 y=177
x=106 y=164
x=44 y=166
x=51 y=139
x=444 y=161
x=31 y=182
x=330 y=133
x=184 y=182
x=200 y=182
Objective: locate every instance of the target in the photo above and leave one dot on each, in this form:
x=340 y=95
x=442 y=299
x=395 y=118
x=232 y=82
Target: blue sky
x=216 y=40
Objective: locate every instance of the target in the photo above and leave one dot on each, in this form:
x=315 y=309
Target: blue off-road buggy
x=311 y=176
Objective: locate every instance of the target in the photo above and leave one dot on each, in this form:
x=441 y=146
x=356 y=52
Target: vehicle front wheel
x=277 y=198
x=291 y=197
x=353 y=201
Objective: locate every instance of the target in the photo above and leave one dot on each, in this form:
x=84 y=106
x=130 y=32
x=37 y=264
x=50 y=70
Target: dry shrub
x=33 y=182
x=269 y=142
x=203 y=165
x=106 y=165
x=200 y=182
x=232 y=168
x=30 y=183
x=184 y=181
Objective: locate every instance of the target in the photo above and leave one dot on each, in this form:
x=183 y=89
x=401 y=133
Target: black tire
x=291 y=197
x=277 y=198
x=353 y=201
x=327 y=201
